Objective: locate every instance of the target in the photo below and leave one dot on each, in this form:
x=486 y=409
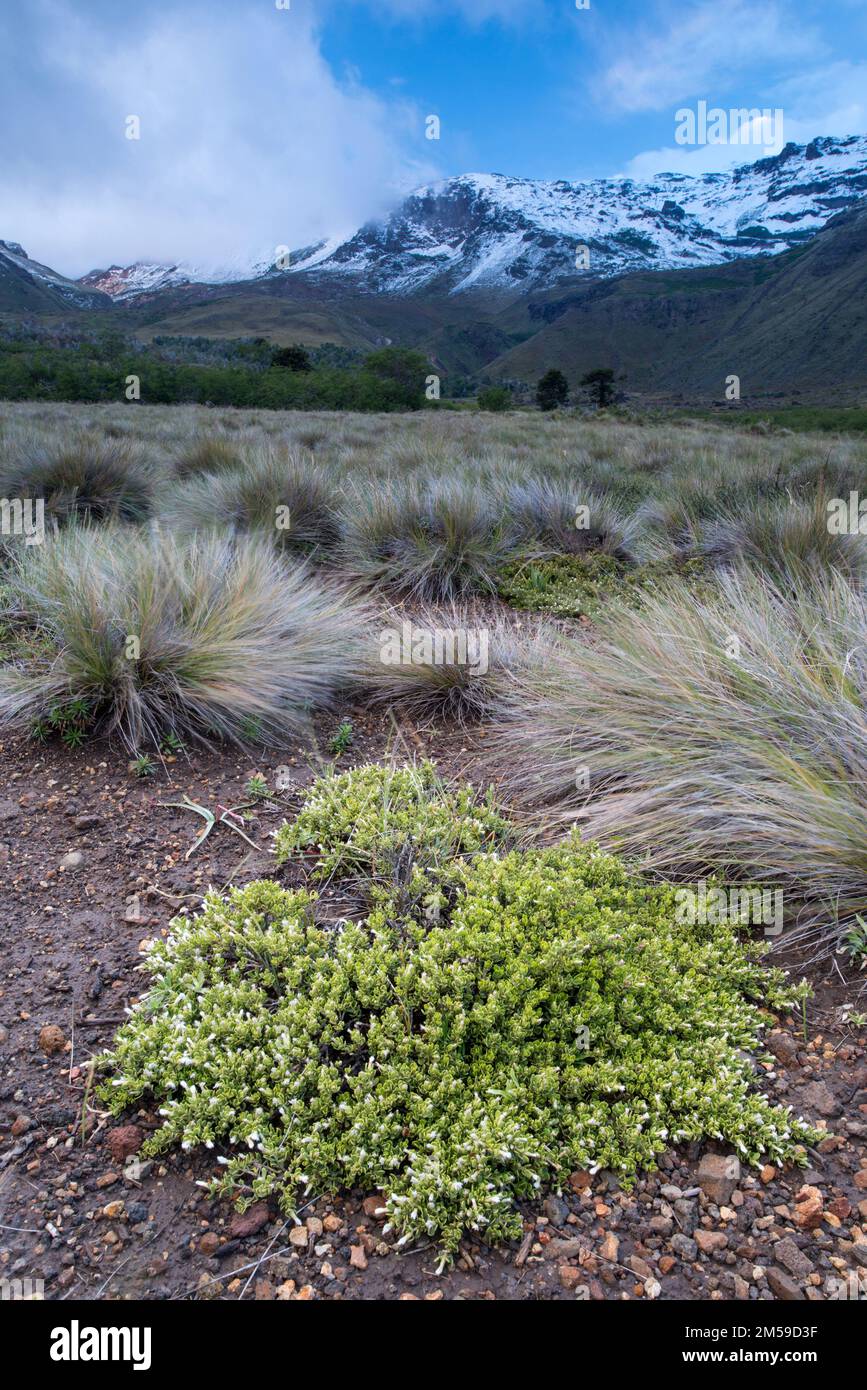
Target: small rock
x=357 y=1257
x=210 y=1243
x=640 y=1267
x=250 y=1222
x=859 y=1253
x=51 y=1039
x=73 y=860
x=684 y=1247
x=123 y=1142
x=819 y=1099
x=784 y=1287
x=570 y=1277
x=708 y=1241
x=718 y=1176
x=609 y=1247
x=784 y=1048
x=652 y=1289
x=556 y=1210
x=298 y=1237
x=808 y=1208
x=794 y=1259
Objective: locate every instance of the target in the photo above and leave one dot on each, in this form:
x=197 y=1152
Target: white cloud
x=831 y=100
x=699 y=51
x=248 y=139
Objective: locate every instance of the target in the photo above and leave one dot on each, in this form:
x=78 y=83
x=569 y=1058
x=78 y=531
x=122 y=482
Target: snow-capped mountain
x=15 y=263
x=492 y=232
x=489 y=231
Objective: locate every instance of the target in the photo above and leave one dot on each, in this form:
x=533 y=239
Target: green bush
x=559 y=1018
x=495 y=398
x=378 y=820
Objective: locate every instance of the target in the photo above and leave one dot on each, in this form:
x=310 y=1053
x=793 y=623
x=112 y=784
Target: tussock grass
x=751 y=763
x=457 y=660
x=225 y=636
x=84 y=475
x=562 y=517
x=275 y=494
x=436 y=541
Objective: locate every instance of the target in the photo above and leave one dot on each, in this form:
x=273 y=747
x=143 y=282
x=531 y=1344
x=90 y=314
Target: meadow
x=656 y=646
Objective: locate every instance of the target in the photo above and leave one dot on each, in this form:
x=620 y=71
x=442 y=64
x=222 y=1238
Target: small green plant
x=71 y=721
x=257 y=788
x=342 y=740
x=223 y=815
x=171 y=746
x=855 y=943
x=143 y=766
x=554 y=1014
x=251 y=729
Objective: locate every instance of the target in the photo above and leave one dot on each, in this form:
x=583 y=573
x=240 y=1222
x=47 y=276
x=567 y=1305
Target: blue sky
x=263 y=126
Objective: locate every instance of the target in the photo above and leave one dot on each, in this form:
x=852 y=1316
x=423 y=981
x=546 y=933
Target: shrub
x=83 y=476
x=377 y=821
x=495 y=398
x=225 y=635
x=552 y=390
x=278 y=496
x=722 y=732
x=558 y=1019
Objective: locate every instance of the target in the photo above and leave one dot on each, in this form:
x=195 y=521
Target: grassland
x=664 y=606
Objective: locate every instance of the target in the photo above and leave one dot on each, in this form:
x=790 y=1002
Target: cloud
x=831 y=100
x=474 y=12
x=248 y=139
x=700 y=51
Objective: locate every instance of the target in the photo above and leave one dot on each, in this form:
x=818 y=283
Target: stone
x=210 y=1243
x=718 y=1176
x=859 y=1253
x=298 y=1237
x=709 y=1241
x=685 y=1247
x=820 y=1100
x=569 y=1277
x=784 y=1287
x=250 y=1222
x=784 y=1048
x=609 y=1247
x=51 y=1039
x=556 y=1210
x=787 y=1253
x=808 y=1208
x=123 y=1142
x=73 y=860
x=640 y=1267
x=357 y=1257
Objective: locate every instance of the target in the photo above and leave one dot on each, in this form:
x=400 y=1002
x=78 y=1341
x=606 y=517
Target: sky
x=265 y=123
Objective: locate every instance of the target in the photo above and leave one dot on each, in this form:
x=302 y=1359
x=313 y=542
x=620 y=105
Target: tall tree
x=552 y=391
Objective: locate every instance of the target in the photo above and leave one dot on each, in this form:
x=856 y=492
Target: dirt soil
x=80 y=1212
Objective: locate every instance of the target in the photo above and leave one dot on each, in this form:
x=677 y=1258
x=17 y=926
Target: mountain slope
x=29 y=287
x=489 y=232
x=793 y=322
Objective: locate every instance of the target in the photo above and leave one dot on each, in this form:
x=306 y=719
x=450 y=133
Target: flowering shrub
x=559 y=1018
x=367 y=820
